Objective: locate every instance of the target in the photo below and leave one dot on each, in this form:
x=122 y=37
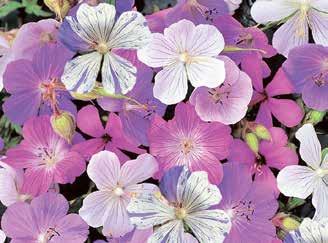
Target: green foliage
x=9 y=7
x=30 y=7
x=9 y=132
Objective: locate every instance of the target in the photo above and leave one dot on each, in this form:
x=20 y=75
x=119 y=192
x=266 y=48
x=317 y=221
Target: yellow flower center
x=185 y=57
x=187 y=145
x=180 y=213
x=118 y=191
x=102 y=48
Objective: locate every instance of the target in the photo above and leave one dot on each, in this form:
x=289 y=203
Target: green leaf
x=32 y=7
x=9 y=7
x=294 y=202
x=324 y=152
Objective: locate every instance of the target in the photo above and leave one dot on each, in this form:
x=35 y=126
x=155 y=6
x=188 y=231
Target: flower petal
x=320 y=199
x=172 y=231
x=319 y=25
x=171 y=84
x=80 y=74
x=89 y=122
x=310 y=147
x=104 y=170
x=296 y=181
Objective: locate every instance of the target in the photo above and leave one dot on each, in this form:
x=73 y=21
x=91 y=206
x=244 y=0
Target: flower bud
x=85 y=97
x=315 y=117
x=290 y=224
x=64 y=125
x=252 y=141
x=262 y=132
x=59 y=7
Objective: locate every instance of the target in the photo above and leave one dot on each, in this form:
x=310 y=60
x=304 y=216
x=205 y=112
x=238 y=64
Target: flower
x=2 y=237
x=307 y=68
x=287 y=111
x=297 y=16
x=44 y=220
x=272 y=154
x=117 y=185
x=249 y=204
x=183 y=199
x=255 y=44
x=185 y=51
x=5 y=57
x=111 y=138
x=46 y=156
x=233 y=5
x=157 y=20
x=310 y=231
x=197 y=11
x=187 y=140
x=95 y=37
x=302 y=181
x=227 y=103
x=35 y=85
x=2 y=145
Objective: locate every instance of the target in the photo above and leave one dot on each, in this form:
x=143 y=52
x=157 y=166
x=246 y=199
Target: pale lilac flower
x=286 y=111
x=112 y=137
x=94 y=33
x=187 y=140
x=249 y=204
x=2 y=237
x=44 y=220
x=46 y=156
x=272 y=154
x=233 y=5
x=197 y=11
x=307 y=68
x=298 y=16
x=184 y=199
x=185 y=51
x=302 y=181
x=5 y=58
x=227 y=103
x=135 y=236
x=117 y=185
x=35 y=85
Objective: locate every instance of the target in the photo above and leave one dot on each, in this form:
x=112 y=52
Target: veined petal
x=319 y=25
x=206 y=71
x=95 y=22
x=130 y=31
x=119 y=75
x=310 y=147
x=321 y=5
x=149 y=209
x=171 y=232
x=209 y=226
x=271 y=11
x=198 y=193
x=171 y=84
x=314 y=231
x=80 y=74
x=297 y=181
x=293 y=33
x=320 y=199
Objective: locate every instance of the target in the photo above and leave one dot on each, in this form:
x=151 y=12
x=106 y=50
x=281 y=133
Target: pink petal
x=89 y=122
x=280 y=85
x=241 y=153
x=37 y=180
x=264 y=115
x=89 y=147
x=267 y=178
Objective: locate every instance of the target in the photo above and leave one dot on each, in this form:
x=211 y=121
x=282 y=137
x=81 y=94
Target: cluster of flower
x=82 y=89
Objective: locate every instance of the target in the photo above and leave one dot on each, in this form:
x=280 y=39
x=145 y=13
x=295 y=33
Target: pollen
x=180 y=213
x=185 y=57
x=118 y=191
x=102 y=48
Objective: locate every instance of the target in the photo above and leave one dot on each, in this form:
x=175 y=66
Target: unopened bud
x=64 y=125
x=59 y=7
x=315 y=117
x=262 y=132
x=290 y=224
x=252 y=141
x=85 y=97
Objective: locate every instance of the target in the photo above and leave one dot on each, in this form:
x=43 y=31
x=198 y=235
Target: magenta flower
x=227 y=103
x=307 y=68
x=251 y=62
x=272 y=154
x=35 y=85
x=287 y=111
x=117 y=185
x=46 y=156
x=157 y=21
x=32 y=36
x=250 y=205
x=137 y=112
x=44 y=220
x=197 y=11
x=111 y=138
x=187 y=140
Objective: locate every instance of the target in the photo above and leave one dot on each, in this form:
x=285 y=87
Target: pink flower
x=44 y=220
x=111 y=138
x=187 y=140
x=227 y=103
x=272 y=154
x=287 y=111
x=116 y=184
x=46 y=156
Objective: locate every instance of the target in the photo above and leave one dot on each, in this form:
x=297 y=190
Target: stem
x=236 y=49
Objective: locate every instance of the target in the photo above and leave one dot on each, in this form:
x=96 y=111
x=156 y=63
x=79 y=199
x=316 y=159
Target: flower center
x=47 y=156
x=322 y=172
x=244 y=209
x=47 y=236
x=180 y=213
x=187 y=146
x=46 y=37
x=319 y=80
x=102 y=48
x=118 y=191
x=185 y=57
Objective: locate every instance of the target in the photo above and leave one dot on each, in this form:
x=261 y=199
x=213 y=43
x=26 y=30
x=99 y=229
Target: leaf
x=294 y=202
x=32 y=7
x=9 y=7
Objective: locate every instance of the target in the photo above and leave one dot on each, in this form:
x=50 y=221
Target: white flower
x=99 y=35
x=302 y=181
x=298 y=16
x=191 y=208
x=185 y=51
x=5 y=58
